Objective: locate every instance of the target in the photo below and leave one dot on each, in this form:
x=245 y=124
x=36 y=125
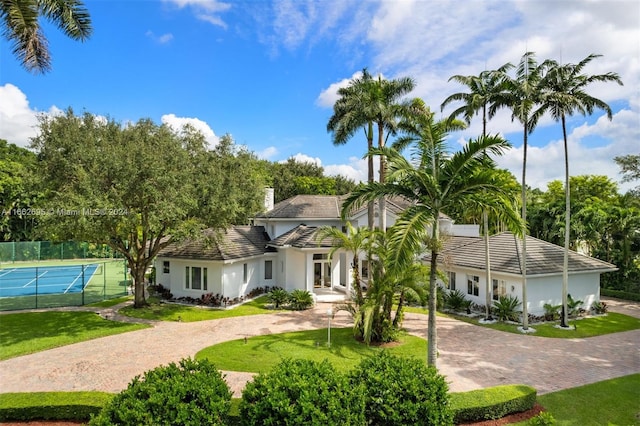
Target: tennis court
x=31 y=281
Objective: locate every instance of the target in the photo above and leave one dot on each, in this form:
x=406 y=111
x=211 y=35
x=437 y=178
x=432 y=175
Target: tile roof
x=235 y=243
x=302 y=236
x=506 y=253
x=306 y=207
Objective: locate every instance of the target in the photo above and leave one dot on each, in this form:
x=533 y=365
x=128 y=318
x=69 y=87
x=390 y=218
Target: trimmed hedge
x=619 y=294
x=52 y=405
x=492 y=403
x=187 y=393
x=402 y=391
x=302 y=392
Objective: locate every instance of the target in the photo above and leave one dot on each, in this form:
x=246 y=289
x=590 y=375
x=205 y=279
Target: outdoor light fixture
x=329 y=315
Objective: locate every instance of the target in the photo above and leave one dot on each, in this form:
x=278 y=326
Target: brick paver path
x=471 y=357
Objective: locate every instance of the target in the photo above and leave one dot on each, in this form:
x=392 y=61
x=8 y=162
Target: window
x=196 y=278
x=451 y=285
x=344 y=229
x=473 y=285
x=245 y=273
x=268 y=269
x=499 y=289
x=165 y=267
x=320 y=256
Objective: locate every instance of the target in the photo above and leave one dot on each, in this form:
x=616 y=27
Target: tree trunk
x=137 y=274
x=432 y=335
x=487 y=264
x=370 y=178
x=383 y=176
x=567 y=230
x=525 y=311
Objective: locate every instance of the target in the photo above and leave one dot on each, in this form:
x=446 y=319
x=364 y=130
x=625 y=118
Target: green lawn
x=29 y=332
x=585 y=327
x=261 y=353
x=611 y=402
x=175 y=312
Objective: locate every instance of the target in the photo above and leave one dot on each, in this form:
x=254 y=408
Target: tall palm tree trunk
x=383 y=174
x=567 y=229
x=370 y=178
x=432 y=334
x=487 y=264
x=525 y=311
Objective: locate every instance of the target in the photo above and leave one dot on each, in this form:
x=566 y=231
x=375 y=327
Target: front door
x=321 y=271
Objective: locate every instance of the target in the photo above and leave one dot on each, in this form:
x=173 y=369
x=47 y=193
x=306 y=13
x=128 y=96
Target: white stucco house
x=463 y=261
x=281 y=249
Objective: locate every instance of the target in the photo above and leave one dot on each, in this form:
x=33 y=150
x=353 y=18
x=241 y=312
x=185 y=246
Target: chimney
x=268 y=199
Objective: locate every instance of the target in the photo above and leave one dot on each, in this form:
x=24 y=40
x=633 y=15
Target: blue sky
x=267 y=71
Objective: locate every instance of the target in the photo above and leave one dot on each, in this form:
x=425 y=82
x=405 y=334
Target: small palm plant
x=506 y=307
x=454 y=300
x=551 y=312
x=300 y=300
x=278 y=297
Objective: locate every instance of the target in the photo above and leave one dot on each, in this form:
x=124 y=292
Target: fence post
x=104 y=280
x=37 y=287
x=83 y=284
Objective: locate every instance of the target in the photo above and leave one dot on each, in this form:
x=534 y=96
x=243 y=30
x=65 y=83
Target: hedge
x=52 y=405
x=492 y=403
x=619 y=294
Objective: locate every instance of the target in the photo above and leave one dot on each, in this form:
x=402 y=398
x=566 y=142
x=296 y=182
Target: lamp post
x=329 y=315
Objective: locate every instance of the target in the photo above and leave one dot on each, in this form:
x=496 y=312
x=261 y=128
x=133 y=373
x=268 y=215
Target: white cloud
x=356 y=169
x=268 y=153
x=329 y=96
x=303 y=158
x=18 y=122
x=162 y=39
x=178 y=122
x=205 y=10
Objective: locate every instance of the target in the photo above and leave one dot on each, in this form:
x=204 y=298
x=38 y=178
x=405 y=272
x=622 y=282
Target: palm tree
x=434 y=181
x=366 y=102
x=520 y=96
x=349 y=116
x=22 y=29
x=483 y=89
x=563 y=94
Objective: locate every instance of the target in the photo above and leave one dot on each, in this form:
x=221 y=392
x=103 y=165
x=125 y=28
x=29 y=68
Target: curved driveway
x=471 y=357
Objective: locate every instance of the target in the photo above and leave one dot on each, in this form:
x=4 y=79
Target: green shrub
x=300 y=300
x=619 y=294
x=505 y=308
x=551 y=312
x=51 y=405
x=278 y=297
x=455 y=300
x=543 y=419
x=599 y=308
x=302 y=392
x=492 y=403
x=402 y=391
x=188 y=393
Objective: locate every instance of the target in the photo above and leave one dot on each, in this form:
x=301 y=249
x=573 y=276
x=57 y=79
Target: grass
x=109 y=283
x=586 y=327
x=175 y=312
x=261 y=353
x=111 y=302
x=29 y=332
x=613 y=402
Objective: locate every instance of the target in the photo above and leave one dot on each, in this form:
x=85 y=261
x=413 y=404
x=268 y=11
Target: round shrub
x=302 y=392
x=188 y=393
x=402 y=391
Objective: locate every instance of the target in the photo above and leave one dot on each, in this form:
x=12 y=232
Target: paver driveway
x=471 y=357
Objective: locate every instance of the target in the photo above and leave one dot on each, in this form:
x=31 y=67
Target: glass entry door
x=321 y=271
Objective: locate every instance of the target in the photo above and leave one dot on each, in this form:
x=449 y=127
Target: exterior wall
x=175 y=279
x=540 y=290
x=295 y=269
x=223 y=279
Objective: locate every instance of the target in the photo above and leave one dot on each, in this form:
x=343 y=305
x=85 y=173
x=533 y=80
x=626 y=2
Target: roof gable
x=506 y=254
x=306 y=207
x=302 y=236
x=236 y=242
